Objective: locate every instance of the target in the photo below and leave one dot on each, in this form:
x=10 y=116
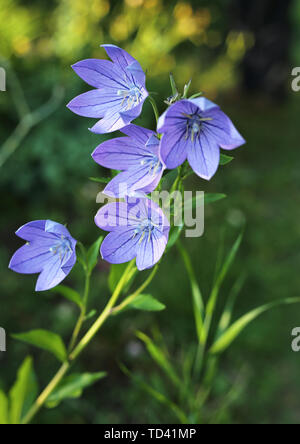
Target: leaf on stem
x=46 y=340
x=147 y=303
x=69 y=294
x=72 y=387
x=23 y=392
x=93 y=254
x=226 y=339
x=224 y=159
x=159 y=357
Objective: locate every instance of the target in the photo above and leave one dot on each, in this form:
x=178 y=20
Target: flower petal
x=204 y=104
x=112 y=217
x=100 y=73
x=223 y=130
x=174 y=118
x=115 y=119
x=52 y=274
x=204 y=156
x=120 y=246
x=138 y=133
x=34 y=230
x=173 y=148
x=96 y=103
x=30 y=259
x=120 y=153
x=126 y=183
x=150 y=250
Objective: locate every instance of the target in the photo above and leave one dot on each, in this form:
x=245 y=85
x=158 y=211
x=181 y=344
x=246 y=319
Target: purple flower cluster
x=190 y=129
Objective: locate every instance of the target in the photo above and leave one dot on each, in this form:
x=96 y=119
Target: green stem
x=104 y=315
x=155 y=109
x=81 y=319
x=131 y=298
x=82 y=344
x=46 y=393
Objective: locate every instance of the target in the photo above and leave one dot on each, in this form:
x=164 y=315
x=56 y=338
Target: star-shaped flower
x=137 y=156
x=120 y=90
x=50 y=251
x=195 y=130
x=137 y=230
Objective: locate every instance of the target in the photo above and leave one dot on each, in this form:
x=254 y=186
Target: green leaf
x=45 y=340
x=90 y=315
x=169 y=178
x=162 y=399
x=213 y=197
x=23 y=392
x=175 y=235
x=173 y=85
x=147 y=303
x=228 y=310
x=159 y=357
x=69 y=294
x=93 y=254
x=226 y=339
x=212 y=301
x=4 y=417
x=72 y=386
x=100 y=179
x=195 y=96
x=198 y=303
x=224 y=159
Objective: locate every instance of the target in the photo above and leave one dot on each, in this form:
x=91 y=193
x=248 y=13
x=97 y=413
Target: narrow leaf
x=100 y=179
x=69 y=294
x=198 y=304
x=238 y=326
x=173 y=85
x=146 y=303
x=93 y=254
x=224 y=159
x=72 y=386
x=45 y=340
x=159 y=357
x=23 y=392
x=162 y=399
x=4 y=417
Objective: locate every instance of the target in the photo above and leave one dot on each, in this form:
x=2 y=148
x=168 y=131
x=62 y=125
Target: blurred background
x=240 y=54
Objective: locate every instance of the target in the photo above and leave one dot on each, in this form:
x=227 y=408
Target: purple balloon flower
x=120 y=90
x=50 y=251
x=195 y=129
x=137 y=156
x=137 y=230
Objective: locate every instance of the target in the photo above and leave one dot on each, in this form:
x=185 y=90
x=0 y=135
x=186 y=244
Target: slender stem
x=104 y=315
x=155 y=109
x=131 y=298
x=46 y=393
x=81 y=319
x=82 y=344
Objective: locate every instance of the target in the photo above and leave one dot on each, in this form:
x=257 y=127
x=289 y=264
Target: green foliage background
x=47 y=177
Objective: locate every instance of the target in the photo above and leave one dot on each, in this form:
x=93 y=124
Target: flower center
x=145 y=228
x=62 y=247
x=194 y=125
x=153 y=163
x=131 y=96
